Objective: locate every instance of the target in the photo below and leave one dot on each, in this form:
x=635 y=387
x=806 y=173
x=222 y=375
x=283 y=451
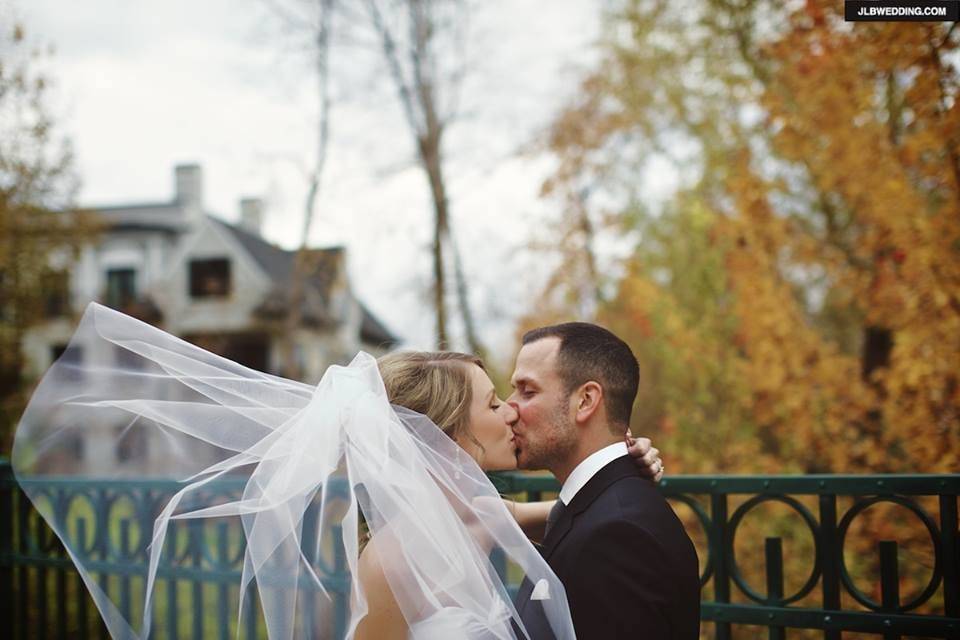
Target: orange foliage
x=797 y=305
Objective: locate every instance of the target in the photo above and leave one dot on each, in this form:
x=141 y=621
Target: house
x=219 y=285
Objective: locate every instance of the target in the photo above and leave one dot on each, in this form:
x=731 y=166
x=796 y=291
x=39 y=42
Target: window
x=75 y=445
x=127 y=360
x=70 y=358
x=121 y=287
x=58 y=350
x=131 y=443
x=210 y=278
x=56 y=287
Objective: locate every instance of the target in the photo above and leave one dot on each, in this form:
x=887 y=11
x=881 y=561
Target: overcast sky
x=143 y=86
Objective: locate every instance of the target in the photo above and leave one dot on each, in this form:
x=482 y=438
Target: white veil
x=128 y=401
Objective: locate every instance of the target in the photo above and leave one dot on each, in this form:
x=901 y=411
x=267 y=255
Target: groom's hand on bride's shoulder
x=646 y=456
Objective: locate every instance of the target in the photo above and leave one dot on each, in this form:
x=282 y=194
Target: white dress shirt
x=588 y=468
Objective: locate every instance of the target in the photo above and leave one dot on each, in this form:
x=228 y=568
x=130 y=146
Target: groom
x=625 y=560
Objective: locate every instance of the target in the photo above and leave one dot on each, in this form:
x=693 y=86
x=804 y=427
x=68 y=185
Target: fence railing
x=858 y=575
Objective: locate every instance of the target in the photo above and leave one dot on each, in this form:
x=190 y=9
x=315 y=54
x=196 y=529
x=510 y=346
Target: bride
x=402 y=443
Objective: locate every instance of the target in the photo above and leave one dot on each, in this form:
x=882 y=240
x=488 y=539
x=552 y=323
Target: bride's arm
x=531 y=516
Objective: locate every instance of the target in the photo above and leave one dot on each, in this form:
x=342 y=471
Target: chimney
x=189 y=183
x=251 y=215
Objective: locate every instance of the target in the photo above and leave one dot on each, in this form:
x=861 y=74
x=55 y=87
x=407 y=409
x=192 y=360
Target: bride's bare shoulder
x=384 y=618
x=370 y=566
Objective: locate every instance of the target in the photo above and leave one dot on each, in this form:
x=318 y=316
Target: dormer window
x=71 y=361
x=210 y=278
x=121 y=288
x=56 y=286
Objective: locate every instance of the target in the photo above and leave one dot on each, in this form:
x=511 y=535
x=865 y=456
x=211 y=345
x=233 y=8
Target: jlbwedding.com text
x=884 y=10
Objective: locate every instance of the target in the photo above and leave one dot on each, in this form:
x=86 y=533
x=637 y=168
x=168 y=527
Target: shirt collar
x=588 y=468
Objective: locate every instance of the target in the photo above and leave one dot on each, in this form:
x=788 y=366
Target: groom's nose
x=514 y=412
x=511 y=415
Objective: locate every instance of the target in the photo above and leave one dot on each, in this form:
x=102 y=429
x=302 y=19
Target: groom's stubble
x=554 y=446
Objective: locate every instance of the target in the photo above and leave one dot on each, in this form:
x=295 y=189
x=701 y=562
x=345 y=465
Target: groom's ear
x=587 y=400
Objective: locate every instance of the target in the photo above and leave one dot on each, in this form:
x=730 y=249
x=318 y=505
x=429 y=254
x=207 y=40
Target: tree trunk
x=430 y=157
x=463 y=299
x=291 y=368
x=416 y=85
x=877 y=346
x=590 y=299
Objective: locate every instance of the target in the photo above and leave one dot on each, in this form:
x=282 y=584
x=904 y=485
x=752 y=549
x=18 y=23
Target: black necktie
x=555 y=512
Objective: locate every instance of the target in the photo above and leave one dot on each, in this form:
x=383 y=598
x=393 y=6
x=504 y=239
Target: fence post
x=889 y=582
x=102 y=545
x=223 y=589
x=22 y=507
x=43 y=599
x=774 y=554
x=81 y=588
x=718 y=549
x=250 y=611
x=6 y=542
x=195 y=528
x=342 y=598
x=173 y=601
x=126 y=554
x=830 y=559
x=951 y=555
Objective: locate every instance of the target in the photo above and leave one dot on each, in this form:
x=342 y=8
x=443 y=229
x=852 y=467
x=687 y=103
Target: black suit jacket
x=625 y=561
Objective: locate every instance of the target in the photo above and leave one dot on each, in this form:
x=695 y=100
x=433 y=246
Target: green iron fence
x=41 y=596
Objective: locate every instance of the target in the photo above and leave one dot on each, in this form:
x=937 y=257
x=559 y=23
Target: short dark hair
x=590 y=352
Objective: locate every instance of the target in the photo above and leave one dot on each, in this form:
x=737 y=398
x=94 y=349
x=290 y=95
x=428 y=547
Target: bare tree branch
x=301 y=265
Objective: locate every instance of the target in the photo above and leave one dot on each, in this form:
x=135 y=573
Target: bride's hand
x=646 y=456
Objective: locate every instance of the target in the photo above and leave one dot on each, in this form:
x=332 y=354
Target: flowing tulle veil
x=307 y=463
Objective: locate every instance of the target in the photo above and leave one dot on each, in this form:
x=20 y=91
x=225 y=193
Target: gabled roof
x=160 y=216
x=373 y=332
x=324 y=270
x=275 y=262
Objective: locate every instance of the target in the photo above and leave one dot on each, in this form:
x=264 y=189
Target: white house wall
x=185 y=315
x=39 y=341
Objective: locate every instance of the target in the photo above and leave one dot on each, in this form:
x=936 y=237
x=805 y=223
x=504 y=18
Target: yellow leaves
x=838 y=213
x=36 y=178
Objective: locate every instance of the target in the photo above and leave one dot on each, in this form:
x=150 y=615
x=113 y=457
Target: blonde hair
x=434 y=383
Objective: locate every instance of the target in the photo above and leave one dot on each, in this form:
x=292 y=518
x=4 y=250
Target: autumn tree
x=795 y=302
x=40 y=233
x=799 y=296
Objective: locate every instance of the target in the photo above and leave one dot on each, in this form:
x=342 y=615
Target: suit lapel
x=621 y=467
x=560 y=529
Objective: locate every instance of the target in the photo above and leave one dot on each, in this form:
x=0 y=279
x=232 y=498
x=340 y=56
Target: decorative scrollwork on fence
x=859 y=507
x=111 y=523
x=737 y=575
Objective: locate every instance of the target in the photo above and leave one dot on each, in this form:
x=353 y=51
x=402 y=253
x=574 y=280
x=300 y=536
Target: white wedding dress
x=337 y=450
x=454 y=622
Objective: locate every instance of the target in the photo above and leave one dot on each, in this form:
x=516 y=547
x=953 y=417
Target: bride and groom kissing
x=623 y=557
x=408 y=438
